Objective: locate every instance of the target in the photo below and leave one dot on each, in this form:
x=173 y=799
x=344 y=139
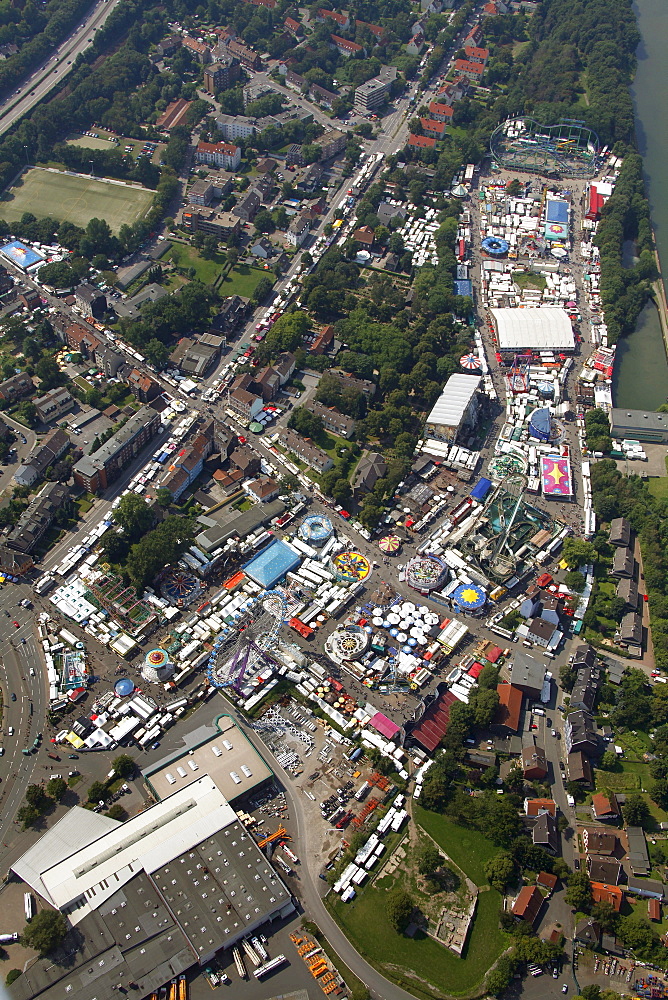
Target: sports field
x=75 y=199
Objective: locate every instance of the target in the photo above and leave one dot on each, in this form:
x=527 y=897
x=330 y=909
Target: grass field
x=75 y=199
x=437 y=971
x=186 y=257
x=467 y=848
x=243 y=280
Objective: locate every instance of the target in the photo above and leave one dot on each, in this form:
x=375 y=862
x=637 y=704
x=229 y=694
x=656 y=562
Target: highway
x=53 y=72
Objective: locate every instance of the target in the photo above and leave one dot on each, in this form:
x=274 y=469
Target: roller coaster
x=567 y=149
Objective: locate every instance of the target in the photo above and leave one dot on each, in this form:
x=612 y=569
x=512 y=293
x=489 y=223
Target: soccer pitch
x=75 y=199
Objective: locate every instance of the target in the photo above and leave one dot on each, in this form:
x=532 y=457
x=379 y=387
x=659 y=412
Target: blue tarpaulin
x=464 y=287
x=557 y=211
x=481 y=489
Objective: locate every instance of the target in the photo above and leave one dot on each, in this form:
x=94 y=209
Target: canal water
x=641 y=371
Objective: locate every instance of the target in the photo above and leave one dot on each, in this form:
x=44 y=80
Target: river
x=641 y=371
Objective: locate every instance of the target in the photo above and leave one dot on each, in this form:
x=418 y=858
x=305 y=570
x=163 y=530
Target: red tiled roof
x=422 y=141
x=604 y=804
x=436 y=108
x=478 y=55
x=510 y=706
x=547 y=880
x=343 y=43
x=528 y=903
x=466 y=66
x=433 y=725
x=431 y=125
x=603 y=893
x=534 y=807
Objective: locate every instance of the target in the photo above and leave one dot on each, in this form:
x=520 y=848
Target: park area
x=74 y=198
x=419 y=963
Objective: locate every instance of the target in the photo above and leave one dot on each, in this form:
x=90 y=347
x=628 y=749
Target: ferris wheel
x=245 y=647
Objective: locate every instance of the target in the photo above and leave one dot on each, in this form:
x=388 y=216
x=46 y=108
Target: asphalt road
x=27 y=713
x=22 y=451
x=52 y=72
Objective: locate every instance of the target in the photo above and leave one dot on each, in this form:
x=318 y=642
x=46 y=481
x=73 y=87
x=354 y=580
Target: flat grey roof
x=198 y=756
x=642 y=419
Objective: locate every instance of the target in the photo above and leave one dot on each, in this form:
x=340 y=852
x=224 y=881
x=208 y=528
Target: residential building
x=332 y=419
x=108 y=360
x=246 y=460
x=218 y=154
x=293 y=81
x=195 y=357
x=332 y=142
x=623 y=563
x=371 y=467
x=648 y=888
x=198 y=219
x=199 y=50
x=346 y=48
x=364 y=235
x=38 y=517
x=507 y=718
x=584 y=657
x=298 y=230
x=248 y=207
x=579 y=769
x=235 y=127
x=473 y=71
x=620 y=532
x=544 y=833
x=304 y=449
x=231 y=314
x=638 y=855
x=377 y=32
x=602 y=892
x=245 y=403
x=534 y=763
x=264 y=489
x=441 y=112
x=387 y=212
x=584 y=690
x=588 y=933
x=143 y=387
x=602 y=842
x=476 y=54
x=527 y=673
x=341 y=19
x=169 y=45
x=14 y=563
x=324 y=97
x=537 y=807
x=432 y=127
x=373 y=94
x=285 y=366
x=604 y=808
x=294 y=27
x=222 y=75
x=246 y=56
x=528 y=904
x=416 y=43
x=201 y=192
x=631 y=630
x=541 y=632
x=90 y=300
x=628 y=591
x=53 y=404
x=580 y=734
x=16 y=386
x=49 y=451
x=322 y=340
x=96 y=471
x=606 y=870
x=546 y=880
x=269 y=384
x=174 y=115
x=345 y=380
x=81 y=339
x=187 y=462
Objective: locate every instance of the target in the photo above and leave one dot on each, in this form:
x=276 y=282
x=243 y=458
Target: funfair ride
x=246 y=646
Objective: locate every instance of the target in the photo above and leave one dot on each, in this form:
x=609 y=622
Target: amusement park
x=567 y=149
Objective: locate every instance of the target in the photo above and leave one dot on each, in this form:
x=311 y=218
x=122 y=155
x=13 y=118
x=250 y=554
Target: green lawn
x=243 y=280
x=186 y=257
x=658 y=487
x=526 y=280
x=74 y=198
x=419 y=964
x=467 y=848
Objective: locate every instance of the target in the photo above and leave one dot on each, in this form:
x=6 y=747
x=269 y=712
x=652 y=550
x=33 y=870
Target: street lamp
x=92 y=172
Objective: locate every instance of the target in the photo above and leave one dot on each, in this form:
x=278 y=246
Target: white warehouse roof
x=450 y=406
x=543 y=329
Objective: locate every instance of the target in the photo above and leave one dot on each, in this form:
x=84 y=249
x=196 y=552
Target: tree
x=500 y=869
x=502 y=824
x=264 y=221
x=638 y=934
x=163 y=497
x=123 y=766
x=134 y=516
x=49 y=372
x=37 y=798
x=578 y=893
x=117 y=812
x=27 y=413
x=209 y=247
x=606 y=915
x=159 y=548
x=486 y=704
x=609 y=762
x=45 y=932
x=636 y=811
x=28 y=816
x=56 y=788
x=97 y=792
x=575 y=581
x=576 y=552
x=428 y=859
x=13 y=975
x=399 y=909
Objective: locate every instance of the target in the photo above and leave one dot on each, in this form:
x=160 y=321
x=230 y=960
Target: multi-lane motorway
x=53 y=71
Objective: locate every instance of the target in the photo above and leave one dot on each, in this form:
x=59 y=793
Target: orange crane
x=281 y=834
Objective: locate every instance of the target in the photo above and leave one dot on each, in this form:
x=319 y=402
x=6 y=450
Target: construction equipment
x=281 y=834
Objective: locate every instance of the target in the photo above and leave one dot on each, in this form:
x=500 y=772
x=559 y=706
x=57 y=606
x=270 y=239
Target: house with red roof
x=441 y=112
x=476 y=54
x=528 y=904
x=536 y=807
x=346 y=48
x=294 y=27
x=421 y=141
x=433 y=128
x=604 y=808
x=375 y=29
x=601 y=892
x=507 y=718
x=471 y=70
x=343 y=20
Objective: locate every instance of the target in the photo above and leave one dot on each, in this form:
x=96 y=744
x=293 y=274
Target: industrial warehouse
x=102 y=875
